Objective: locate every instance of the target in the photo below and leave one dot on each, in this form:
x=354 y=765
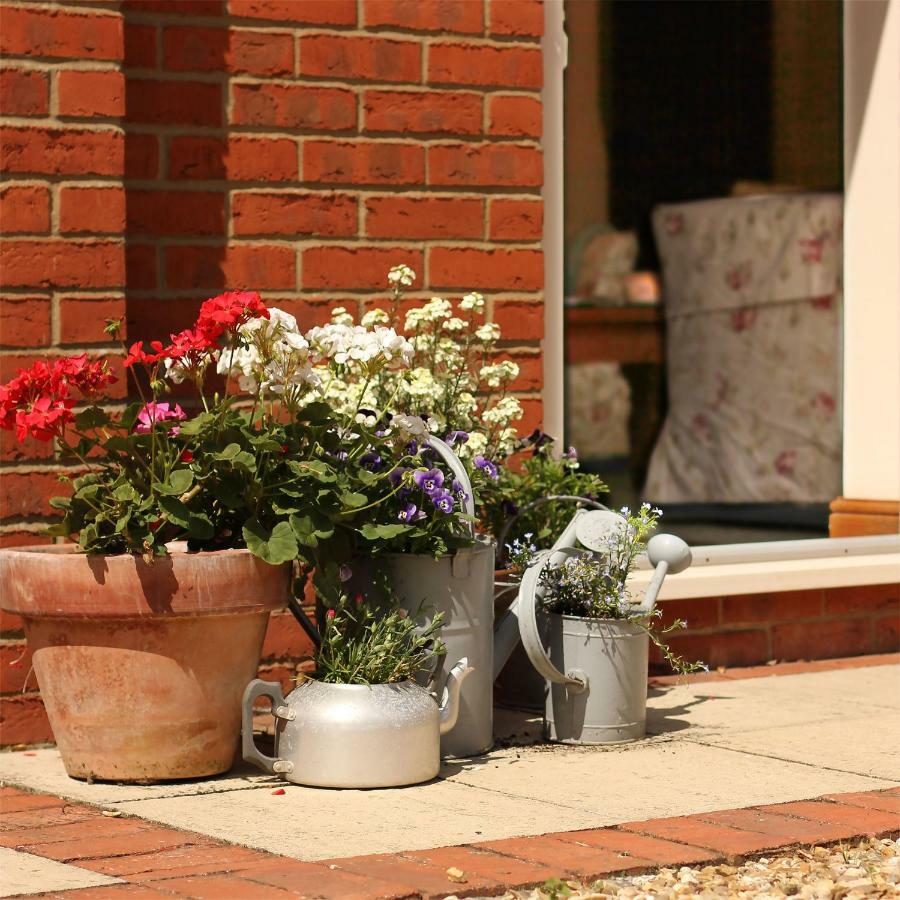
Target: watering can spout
x=449 y=710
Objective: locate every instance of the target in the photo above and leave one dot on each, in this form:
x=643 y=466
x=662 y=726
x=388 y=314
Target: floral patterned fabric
x=753 y=295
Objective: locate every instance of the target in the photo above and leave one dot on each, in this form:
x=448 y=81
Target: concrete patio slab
x=718 y=745
x=506 y=796
x=23 y=873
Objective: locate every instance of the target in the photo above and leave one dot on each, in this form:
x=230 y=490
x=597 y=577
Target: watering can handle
x=528 y=627
x=445 y=451
x=582 y=502
x=249 y=750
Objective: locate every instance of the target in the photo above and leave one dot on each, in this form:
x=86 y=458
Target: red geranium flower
x=228 y=312
x=37 y=401
x=137 y=354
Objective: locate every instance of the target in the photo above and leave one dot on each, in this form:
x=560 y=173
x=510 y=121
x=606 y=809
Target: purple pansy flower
x=459 y=491
x=410 y=513
x=430 y=480
x=487 y=467
x=571 y=453
x=443 y=500
x=457 y=437
x=370 y=460
x=412 y=448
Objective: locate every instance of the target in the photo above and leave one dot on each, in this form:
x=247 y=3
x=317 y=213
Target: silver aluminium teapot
x=354 y=735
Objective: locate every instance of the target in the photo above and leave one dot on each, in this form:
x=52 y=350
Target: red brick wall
x=155 y=152
x=752 y=629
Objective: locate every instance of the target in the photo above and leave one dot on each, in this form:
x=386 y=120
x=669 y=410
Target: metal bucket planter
x=461 y=586
x=603 y=698
x=141 y=667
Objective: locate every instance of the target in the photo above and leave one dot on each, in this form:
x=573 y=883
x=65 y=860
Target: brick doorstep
x=173 y=863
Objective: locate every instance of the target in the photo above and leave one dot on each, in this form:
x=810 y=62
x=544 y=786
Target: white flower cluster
x=401 y=275
x=369 y=349
x=273 y=357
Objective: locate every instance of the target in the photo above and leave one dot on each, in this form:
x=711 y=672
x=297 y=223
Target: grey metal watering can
x=597 y=669
x=460 y=586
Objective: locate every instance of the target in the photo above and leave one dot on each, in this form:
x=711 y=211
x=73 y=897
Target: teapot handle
x=249 y=750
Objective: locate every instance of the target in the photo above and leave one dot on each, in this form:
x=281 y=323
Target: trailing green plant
x=362 y=644
x=595 y=585
x=504 y=502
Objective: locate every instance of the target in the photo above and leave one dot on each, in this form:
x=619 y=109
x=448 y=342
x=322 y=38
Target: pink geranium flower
x=159 y=412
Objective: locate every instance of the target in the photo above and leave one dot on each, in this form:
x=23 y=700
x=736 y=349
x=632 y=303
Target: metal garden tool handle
x=249 y=750
x=445 y=451
x=576 y=680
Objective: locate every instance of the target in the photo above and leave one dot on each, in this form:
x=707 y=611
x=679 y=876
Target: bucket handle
x=576 y=680
x=550 y=498
x=249 y=750
x=445 y=451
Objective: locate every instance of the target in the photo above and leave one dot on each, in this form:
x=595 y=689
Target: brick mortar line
x=102 y=123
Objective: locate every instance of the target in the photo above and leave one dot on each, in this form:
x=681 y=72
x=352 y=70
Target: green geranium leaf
x=317 y=413
x=176 y=511
x=197 y=424
x=179 y=481
x=353 y=499
x=92 y=417
x=312 y=468
x=276 y=546
x=374 y=532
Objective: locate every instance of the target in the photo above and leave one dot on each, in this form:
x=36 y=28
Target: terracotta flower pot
x=142 y=667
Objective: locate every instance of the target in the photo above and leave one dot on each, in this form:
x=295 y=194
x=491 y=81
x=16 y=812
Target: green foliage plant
x=362 y=644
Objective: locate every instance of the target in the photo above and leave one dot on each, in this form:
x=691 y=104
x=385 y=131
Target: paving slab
x=505 y=795
x=714 y=746
x=22 y=873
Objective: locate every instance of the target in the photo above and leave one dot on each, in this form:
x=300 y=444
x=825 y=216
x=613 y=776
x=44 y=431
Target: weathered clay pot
x=142 y=667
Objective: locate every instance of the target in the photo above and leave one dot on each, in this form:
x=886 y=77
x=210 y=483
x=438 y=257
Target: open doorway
x=703 y=229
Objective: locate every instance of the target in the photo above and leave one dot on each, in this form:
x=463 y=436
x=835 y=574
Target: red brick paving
x=158 y=862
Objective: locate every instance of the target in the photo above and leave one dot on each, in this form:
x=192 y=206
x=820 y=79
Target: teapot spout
x=449 y=710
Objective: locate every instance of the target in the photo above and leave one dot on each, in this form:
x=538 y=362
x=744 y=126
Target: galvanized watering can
x=354 y=735
x=461 y=587
x=597 y=668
